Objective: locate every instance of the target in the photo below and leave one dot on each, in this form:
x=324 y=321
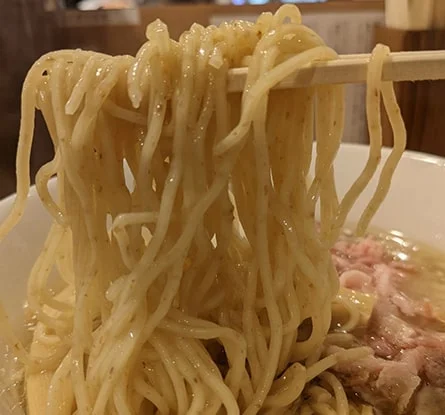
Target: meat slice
x=407 y=371
x=434 y=366
x=397 y=383
x=387 y=333
x=387 y=385
x=365 y=251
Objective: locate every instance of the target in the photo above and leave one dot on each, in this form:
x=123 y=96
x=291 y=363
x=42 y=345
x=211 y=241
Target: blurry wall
x=26 y=32
x=421 y=102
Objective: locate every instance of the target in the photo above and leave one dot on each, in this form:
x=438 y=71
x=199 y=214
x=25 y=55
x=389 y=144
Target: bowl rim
x=407 y=154
x=410 y=154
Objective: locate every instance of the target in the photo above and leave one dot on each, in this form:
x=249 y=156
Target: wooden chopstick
x=349 y=69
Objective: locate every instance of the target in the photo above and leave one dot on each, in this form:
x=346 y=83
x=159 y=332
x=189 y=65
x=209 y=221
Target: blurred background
x=29 y=28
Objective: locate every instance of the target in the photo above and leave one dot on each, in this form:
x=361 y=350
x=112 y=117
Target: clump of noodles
x=206 y=284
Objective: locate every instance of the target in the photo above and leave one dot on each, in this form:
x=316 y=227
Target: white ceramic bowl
x=415 y=206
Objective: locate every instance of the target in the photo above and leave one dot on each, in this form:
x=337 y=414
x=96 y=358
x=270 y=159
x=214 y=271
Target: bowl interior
x=18 y=252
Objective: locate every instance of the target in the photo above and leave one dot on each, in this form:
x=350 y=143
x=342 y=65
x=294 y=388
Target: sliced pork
x=407 y=371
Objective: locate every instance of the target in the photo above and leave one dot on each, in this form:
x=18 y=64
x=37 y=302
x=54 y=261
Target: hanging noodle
x=205 y=286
